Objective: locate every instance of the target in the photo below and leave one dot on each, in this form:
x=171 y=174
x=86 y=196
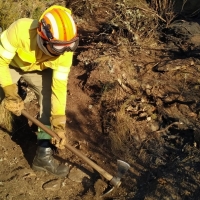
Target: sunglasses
x=59 y=46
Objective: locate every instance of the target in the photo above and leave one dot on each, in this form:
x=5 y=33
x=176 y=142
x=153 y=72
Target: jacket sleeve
x=59 y=85
x=8 y=49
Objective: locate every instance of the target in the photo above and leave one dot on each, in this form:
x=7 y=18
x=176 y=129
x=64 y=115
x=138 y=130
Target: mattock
x=114 y=181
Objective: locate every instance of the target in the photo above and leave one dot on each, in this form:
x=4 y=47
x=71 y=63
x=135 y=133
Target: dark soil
x=133 y=101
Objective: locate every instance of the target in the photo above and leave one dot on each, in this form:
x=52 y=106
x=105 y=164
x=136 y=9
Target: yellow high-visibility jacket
x=18 y=48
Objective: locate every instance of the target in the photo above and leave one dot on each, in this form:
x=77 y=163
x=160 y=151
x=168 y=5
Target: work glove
x=58 y=123
x=12 y=100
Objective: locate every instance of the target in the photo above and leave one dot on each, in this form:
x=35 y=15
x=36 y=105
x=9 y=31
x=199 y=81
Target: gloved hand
x=12 y=100
x=58 y=123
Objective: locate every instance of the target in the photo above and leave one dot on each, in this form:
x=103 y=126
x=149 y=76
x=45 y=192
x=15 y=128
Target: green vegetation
x=12 y=10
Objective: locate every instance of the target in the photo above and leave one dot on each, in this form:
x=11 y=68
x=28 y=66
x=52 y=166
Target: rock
x=77 y=175
x=28 y=175
x=143 y=114
x=90 y=106
x=52 y=185
x=154 y=126
x=148 y=91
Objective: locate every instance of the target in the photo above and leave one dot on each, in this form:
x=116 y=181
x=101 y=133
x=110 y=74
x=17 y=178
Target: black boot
x=44 y=161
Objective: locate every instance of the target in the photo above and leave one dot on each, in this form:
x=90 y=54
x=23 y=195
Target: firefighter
x=40 y=52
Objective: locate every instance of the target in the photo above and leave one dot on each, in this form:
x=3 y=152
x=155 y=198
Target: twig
x=123 y=86
x=165 y=129
x=151 y=12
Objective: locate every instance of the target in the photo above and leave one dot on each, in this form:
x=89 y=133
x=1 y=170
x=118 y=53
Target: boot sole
x=37 y=168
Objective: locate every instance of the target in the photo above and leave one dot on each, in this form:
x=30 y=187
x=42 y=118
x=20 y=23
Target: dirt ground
x=137 y=101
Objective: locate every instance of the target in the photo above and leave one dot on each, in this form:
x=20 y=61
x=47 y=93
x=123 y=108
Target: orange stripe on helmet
x=65 y=25
x=61 y=24
x=70 y=33
x=56 y=25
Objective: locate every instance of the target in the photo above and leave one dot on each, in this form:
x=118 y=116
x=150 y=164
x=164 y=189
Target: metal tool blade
x=123 y=167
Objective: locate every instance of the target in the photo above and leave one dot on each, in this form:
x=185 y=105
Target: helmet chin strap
x=42 y=47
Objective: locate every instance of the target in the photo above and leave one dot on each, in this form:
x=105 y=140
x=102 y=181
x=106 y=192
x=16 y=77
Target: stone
x=77 y=175
x=52 y=185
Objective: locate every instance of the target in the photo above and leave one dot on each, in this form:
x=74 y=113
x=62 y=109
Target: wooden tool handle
x=68 y=146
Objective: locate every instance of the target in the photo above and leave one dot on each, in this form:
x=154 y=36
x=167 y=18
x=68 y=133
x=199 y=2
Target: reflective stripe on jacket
x=18 y=48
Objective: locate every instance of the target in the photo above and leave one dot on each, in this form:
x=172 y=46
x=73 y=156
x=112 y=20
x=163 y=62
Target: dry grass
x=12 y=10
x=164 y=9
x=6 y=119
x=9 y=12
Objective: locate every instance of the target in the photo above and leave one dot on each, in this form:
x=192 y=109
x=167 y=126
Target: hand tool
x=115 y=181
